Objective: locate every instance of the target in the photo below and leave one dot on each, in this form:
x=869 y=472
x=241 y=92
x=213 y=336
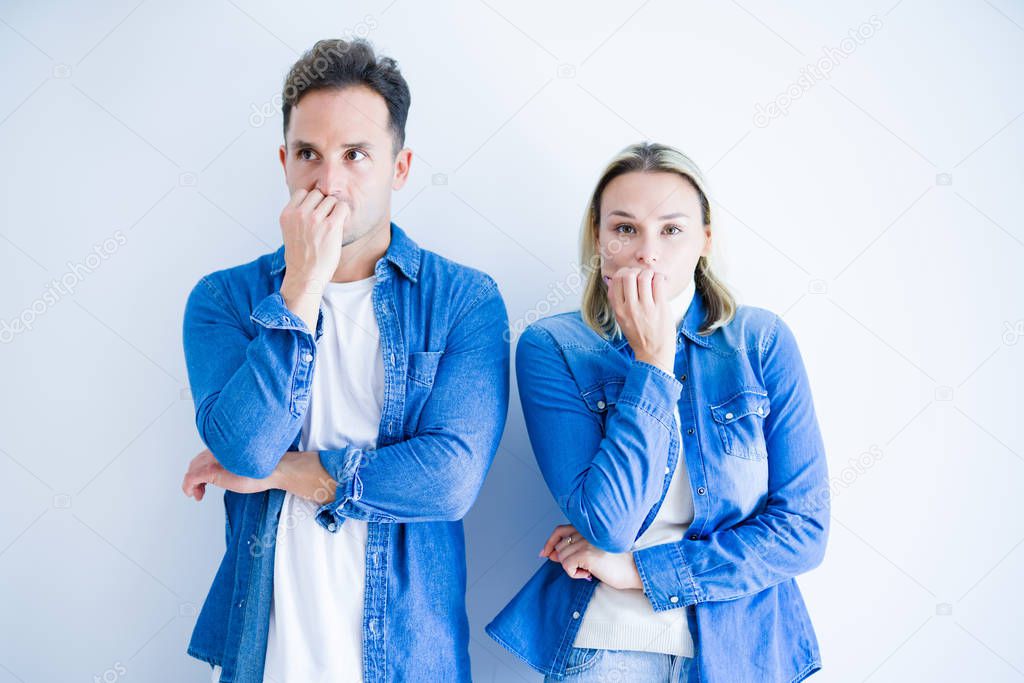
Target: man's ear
x=283 y=153
x=403 y=162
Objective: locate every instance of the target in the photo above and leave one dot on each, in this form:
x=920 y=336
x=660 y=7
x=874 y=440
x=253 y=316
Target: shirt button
x=760 y=411
x=673 y=599
x=332 y=526
x=690 y=430
x=700 y=491
x=682 y=378
x=728 y=416
x=575 y=615
x=693 y=537
x=308 y=357
x=600 y=405
x=667 y=470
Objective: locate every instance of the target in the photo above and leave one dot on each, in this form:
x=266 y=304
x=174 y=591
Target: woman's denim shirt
x=603 y=430
x=250 y=361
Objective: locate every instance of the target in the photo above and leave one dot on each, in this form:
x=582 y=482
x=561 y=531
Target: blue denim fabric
x=589 y=665
x=443 y=332
x=602 y=428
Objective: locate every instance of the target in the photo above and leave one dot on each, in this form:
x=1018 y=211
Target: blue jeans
x=587 y=665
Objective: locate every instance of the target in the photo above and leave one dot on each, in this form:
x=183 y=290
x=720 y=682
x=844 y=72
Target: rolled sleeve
x=273 y=313
x=343 y=466
x=653 y=391
x=666 y=579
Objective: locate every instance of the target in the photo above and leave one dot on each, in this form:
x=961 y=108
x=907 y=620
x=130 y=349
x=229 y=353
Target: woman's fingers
x=573 y=566
x=658 y=288
x=567 y=550
x=560 y=532
x=630 y=295
x=645 y=295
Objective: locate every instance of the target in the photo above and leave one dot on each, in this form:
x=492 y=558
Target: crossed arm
x=251 y=393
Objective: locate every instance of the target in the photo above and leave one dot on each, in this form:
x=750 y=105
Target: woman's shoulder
x=751 y=327
x=563 y=330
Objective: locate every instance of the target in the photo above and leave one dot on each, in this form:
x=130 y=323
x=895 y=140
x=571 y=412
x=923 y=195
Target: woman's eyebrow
x=666 y=217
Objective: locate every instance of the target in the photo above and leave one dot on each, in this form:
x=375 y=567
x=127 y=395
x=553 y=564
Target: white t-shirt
x=624 y=619
x=316 y=615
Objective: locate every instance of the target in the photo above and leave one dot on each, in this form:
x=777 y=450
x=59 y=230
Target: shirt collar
x=403 y=252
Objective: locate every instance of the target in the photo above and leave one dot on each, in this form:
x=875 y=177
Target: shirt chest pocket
x=420 y=374
x=739 y=422
x=602 y=398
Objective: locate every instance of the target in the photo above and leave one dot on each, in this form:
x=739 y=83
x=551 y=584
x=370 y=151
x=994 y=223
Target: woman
x=677 y=433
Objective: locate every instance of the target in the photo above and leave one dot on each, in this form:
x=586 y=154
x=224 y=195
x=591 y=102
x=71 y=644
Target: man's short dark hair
x=335 y=64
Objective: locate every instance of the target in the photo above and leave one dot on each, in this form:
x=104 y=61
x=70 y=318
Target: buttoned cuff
x=666 y=578
x=273 y=313
x=343 y=466
x=653 y=390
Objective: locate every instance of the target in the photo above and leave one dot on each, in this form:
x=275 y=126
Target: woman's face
x=653 y=221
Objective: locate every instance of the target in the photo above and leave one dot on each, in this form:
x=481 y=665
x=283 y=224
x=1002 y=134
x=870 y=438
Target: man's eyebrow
x=666 y=217
x=298 y=144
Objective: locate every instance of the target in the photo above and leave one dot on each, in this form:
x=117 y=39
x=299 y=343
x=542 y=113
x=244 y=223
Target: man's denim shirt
x=443 y=334
x=603 y=430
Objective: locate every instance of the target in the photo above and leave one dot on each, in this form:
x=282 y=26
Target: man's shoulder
x=256 y=270
x=447 y=277
x=240 y=285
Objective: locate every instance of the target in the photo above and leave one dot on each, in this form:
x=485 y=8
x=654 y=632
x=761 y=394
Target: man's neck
x=359 y=258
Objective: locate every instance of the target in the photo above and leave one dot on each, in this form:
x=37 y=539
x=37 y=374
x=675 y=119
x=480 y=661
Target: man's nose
x=332 y=180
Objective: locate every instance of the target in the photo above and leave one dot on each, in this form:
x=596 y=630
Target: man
x=330 y=381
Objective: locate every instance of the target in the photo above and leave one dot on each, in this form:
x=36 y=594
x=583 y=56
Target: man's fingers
x=339 y=213
x=296 y=198
x=311 y=200
x=324 y=208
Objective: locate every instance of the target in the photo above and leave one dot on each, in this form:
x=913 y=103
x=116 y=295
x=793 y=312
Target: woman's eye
x=352 y=155
x=625 y=227
x=673 y=229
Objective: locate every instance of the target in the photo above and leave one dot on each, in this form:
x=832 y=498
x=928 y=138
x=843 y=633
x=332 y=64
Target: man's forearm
x=300 y=473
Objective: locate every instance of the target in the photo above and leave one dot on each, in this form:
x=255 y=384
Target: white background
x=880 y=215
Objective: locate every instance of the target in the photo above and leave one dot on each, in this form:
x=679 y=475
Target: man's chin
x=361 y=233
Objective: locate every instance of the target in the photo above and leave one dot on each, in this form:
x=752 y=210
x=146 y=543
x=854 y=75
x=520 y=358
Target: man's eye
x=352 y=155
x=302 y=152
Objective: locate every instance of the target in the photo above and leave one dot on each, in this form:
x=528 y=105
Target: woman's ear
x=706 y=251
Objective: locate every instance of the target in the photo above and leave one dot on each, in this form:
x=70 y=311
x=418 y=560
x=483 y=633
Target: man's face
x=340 y=142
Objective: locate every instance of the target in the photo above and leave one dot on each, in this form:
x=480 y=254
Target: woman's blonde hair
x=647 y=157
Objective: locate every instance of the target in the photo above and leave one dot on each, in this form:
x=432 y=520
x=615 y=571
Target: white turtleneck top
x=624 y=619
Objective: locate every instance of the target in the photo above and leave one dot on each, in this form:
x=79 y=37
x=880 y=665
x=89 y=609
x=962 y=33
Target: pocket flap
x=747 y=402
x=423 y=366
